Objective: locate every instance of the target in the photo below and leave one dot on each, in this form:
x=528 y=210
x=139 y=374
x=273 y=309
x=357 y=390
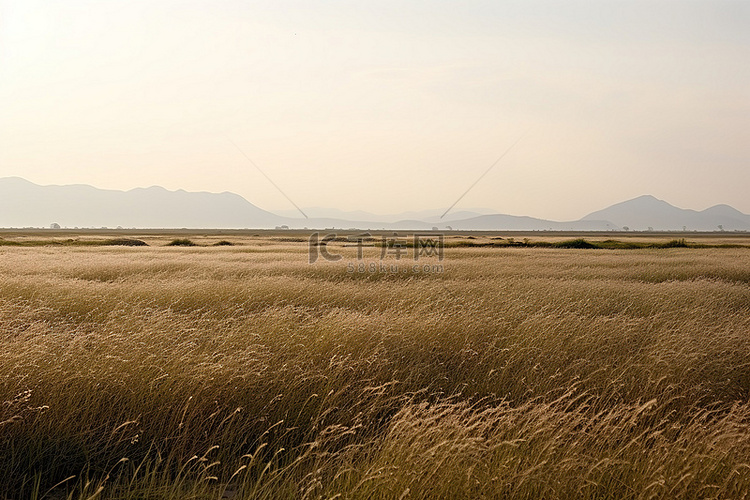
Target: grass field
x=209 y=372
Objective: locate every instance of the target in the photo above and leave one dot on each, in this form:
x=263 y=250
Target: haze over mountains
x=423 y=215
x=25 y=204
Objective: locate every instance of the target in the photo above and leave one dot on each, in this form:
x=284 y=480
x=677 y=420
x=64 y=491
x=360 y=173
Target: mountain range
x=25 y=204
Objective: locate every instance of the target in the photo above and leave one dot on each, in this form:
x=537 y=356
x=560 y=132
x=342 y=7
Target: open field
x=170 y=372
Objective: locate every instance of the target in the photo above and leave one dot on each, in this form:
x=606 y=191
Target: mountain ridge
x=26 y=204
x=647 y=212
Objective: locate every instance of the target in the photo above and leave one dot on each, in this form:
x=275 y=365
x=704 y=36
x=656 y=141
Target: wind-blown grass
x=204 y=372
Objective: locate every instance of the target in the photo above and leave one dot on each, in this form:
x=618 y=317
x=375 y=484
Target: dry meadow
x=209 y=372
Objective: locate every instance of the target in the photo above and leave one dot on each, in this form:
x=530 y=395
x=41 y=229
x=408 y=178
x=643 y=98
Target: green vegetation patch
x=582 y=243
x=181 y=242
x=125 y=242
x=577 y=243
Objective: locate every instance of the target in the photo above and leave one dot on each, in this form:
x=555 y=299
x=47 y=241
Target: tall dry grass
x=245 y=372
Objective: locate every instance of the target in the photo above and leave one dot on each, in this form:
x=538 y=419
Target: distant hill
x=24 y=204
x=644 y=212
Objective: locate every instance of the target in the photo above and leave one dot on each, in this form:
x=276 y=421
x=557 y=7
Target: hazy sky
x=383 y=105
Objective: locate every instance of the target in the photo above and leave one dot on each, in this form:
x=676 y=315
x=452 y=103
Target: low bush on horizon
x=582 y=243
x=125 y=242
x=181 y=242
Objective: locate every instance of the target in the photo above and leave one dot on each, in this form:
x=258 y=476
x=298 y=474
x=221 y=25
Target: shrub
x=681 y=243
x=125 y=242
x=181 y=242
x=577 y=243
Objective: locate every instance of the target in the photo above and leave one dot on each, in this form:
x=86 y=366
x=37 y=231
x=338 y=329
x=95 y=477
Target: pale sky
x=386 y=105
